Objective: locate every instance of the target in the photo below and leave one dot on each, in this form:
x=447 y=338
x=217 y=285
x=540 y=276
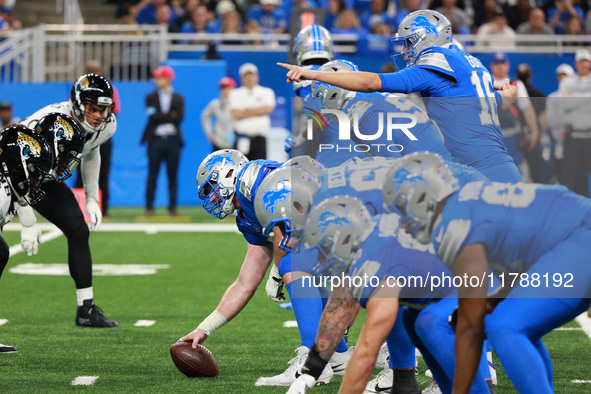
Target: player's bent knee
x=78 y=232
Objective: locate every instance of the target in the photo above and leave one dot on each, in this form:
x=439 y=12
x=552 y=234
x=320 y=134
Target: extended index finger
x=285 y=65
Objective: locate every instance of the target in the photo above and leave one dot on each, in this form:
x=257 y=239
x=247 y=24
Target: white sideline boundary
x=151 y=228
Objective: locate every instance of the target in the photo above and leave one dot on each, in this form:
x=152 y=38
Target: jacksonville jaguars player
x=541 y=232
x=369 y=111
x=370 y=251
x=25 y=161
x=312 y=48
x=90 y=105
x=457 y=87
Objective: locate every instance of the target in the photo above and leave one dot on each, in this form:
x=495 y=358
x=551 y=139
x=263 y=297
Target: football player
x=25 y=161
x=282 y=204
x=312 y=48
x=90 y=104
x=442 y=74
x=369 y=112
x=538 y=233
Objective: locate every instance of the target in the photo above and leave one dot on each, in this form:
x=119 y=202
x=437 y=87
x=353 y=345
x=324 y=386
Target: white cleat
x=7 y=349
x=294 y=371
x=383 y=357
x=382 y=383
x=429 y=374
x=339 y=361
x=433 y=388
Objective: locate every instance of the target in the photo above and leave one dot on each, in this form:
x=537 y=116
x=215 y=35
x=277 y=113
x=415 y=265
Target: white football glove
x=302 y=385
x=30 y=239
x=94 y=211
x=274 y=285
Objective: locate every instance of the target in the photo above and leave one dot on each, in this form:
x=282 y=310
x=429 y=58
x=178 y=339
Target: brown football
x=194 y=363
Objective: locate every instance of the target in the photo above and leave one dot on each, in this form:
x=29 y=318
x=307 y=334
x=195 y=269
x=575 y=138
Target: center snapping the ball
x=194 y=363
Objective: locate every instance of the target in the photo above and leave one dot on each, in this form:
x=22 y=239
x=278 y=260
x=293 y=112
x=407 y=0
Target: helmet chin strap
x=228 y=208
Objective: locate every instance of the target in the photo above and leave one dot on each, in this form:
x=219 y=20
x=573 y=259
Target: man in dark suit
x=165 y=109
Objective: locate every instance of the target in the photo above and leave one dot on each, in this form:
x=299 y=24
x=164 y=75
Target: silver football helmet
x=336 y=228
x=332 y=96
x=306 y=163
x=285 y=197
x=421 y=30
x=216 y=181
x=413 y=187
x=313 y=43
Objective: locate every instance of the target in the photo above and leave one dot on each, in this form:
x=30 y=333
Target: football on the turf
x=195 y=363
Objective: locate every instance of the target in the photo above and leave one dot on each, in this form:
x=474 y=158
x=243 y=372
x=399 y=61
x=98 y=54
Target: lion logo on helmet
x=215 y=159
x=29 y=146
x=272 y=196
x=63 y=129
x=328 y=218
x=422 y=22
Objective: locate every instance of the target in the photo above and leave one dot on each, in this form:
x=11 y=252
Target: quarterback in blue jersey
x=440 y=72
x=541 y=232
x=228 y=182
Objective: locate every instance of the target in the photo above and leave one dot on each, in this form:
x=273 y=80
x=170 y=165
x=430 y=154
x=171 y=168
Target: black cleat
x=7 y=349
x=90 y=315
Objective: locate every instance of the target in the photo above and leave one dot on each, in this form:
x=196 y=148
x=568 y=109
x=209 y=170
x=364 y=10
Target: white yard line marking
x=568 y=329
x=145 y=323
x=150 y=228
x=84 y=380
x=3 y=322
x=585 y=323
x=53 y=234
x=580 y=381
x=290 y=324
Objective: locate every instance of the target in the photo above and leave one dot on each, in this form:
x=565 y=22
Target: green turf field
x=52 y=351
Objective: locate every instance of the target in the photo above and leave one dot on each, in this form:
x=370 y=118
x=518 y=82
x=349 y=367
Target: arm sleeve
x=91 y=166
x=411 y=79
x=206 y=118
x=499 y=99
x=26 y=215
x=523 y=100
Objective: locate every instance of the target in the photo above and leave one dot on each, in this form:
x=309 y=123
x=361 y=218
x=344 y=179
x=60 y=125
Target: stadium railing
x=128 y=52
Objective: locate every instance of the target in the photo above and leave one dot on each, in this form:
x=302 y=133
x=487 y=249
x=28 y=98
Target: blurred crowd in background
x=361 y=17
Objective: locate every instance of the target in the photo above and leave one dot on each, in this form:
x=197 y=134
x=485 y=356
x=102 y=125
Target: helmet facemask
x=218 y=193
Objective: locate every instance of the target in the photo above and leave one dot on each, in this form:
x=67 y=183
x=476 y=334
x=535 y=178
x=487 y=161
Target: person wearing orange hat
x=165 y=109
x=221 y=136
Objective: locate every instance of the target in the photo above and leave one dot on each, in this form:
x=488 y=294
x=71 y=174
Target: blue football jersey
x=304 y=88
x=387 y=254
x=247 y=184
x=360 y=178
x=518 y=223
x=459 y=96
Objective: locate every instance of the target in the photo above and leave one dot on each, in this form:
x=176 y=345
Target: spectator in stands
x=251 y=105
x=376 y=13
x=198 y=22
x=4 y=8
x=165 y=109
x=517 y=13
x=269 y=17
x=577 y=120
x=334 y=9
x=164 y=15
x=8 y=18
x=135 y=61
x=106 y=149
x=498 y=27
x=146 y=12
x=6 y=115
x=185 y=16
x=222 y=10
x=562 y=10
x=555 y=118
x=379 y=25
x=450 y=9
x=408 y=6
x=222 y=135
x=574 y=26
x=348 y=23
x=536 y=24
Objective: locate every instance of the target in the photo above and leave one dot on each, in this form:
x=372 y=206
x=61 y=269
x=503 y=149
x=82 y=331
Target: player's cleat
x=383 y=357
x=90 y=315
x=433 y=388
x=339 y=361
x=294 y=371
x=382 y=383
x=7 y=349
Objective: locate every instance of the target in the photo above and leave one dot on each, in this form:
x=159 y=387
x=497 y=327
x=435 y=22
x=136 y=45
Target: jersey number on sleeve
x=488 y=101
